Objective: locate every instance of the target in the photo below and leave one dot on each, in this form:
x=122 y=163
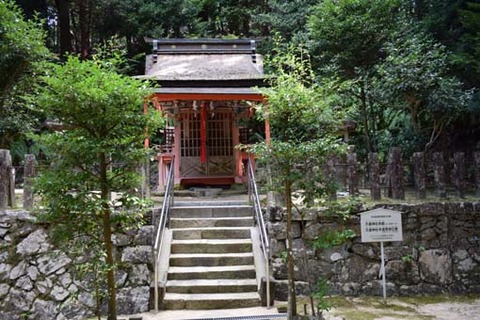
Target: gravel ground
x=412 y=308
x=451 y=311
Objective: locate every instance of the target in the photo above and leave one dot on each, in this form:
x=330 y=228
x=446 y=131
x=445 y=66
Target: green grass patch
x=372 y=315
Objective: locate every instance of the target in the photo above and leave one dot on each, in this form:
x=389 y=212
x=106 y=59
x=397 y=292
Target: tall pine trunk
x=83 y=8
x=65 y=39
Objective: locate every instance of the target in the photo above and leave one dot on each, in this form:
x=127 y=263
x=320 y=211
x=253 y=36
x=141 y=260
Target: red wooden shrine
x=206 y=91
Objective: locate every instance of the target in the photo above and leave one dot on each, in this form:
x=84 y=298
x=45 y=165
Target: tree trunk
x=83 y=19
x=292 y=298
x=112 y=290
x=65 y=39
x=364 y=113
x=107 y=238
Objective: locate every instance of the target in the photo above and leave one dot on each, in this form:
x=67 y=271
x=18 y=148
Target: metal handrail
x=257 y=208
x=162 y=224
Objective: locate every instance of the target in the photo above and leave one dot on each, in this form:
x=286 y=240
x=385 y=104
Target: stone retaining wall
x=38 y=281
x=440 y=253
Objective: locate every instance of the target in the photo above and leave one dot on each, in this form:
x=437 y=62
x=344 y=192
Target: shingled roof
x=210 y=60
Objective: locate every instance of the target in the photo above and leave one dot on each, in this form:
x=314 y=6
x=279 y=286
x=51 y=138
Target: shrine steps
x=211 y=262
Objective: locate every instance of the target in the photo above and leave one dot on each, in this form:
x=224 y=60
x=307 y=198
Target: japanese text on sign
x=381 y=225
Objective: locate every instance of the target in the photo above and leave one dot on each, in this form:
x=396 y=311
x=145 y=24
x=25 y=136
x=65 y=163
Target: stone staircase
x=211 y=262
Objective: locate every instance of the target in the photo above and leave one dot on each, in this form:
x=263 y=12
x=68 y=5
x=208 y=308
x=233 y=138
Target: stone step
x=211 y=246
x=176 y=223
x=217 y=272
x=209 y=203
x=212 y=233
x=177 y=301
x=212 y=286
x=211 y=259
x=211 y=211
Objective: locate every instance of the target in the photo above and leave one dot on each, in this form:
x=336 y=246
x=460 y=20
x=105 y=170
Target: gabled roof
x=203 y=67
x=203 y=60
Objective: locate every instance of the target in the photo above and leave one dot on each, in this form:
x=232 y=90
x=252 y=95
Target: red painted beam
x=209 y=97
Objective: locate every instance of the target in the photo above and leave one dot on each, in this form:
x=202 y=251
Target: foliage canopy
x=89 y=190
x=303 y=137
x=22 y=44
x=348 y=40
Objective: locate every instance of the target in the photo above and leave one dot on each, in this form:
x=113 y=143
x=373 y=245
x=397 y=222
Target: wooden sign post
x=381 y=225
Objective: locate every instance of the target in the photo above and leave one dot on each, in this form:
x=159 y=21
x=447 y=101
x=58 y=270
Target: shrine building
x=207 y=93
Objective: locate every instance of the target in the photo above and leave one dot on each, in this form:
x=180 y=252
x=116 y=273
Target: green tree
x=346 y=40
x=303 y=125
x=82 y=24
x=21 y=45
x=219 y=18
x=440 y=18
x=349 y=34
x=285 y=18
x=467 y=55
x=415 y=77
x=465 y=58
x=396 y=79
x=94 y=156
x=140 y=18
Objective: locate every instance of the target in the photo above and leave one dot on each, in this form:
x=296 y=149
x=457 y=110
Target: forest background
x=404 y=72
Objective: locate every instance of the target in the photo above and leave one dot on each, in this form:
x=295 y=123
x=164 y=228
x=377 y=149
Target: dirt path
x=451 y=311
x=412 y=308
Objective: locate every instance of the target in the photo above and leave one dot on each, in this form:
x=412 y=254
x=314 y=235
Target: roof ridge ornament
x=155 y=50
x=203 y=46
x=253 y=45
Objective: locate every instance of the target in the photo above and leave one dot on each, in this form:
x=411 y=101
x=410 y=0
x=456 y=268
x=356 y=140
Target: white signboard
x=381 y=225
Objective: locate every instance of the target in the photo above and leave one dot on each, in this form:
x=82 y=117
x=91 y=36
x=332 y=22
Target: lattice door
x=219 y=143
